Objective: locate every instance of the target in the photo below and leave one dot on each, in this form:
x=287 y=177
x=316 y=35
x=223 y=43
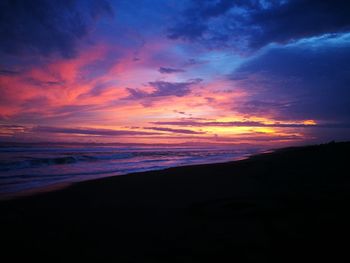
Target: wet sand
x=286 y=206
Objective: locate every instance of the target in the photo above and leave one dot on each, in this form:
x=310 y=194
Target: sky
x=252 y=72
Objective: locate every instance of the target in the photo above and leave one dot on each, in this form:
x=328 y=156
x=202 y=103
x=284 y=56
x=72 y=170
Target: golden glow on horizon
x=309 y=122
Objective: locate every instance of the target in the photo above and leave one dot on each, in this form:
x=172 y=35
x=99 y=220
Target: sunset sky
x=175 y=71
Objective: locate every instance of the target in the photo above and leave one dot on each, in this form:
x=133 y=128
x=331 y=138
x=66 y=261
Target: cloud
x=90 y=131
x=254 y=24
x=195 y=18
x=306 y=80
x=234 y=124
x=164 y=88
x=43 y=83
x=300 y=19
x=181 y=131
x=44 y=27
x=261 y=139
x=262 y=108
x=7 y=130
x=97 y=90
x=164 y=70
x=6 y=72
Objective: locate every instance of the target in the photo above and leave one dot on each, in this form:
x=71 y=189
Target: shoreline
x=290 y=202
x=62 y=185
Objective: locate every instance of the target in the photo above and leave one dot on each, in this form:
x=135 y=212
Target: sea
x=35 y=167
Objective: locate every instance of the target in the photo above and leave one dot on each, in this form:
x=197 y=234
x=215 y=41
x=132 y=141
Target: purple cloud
x=250 y=124
x=164 y=88
x=231 y=124
x=164 y=70
x=7 y=72
x=181 y=131
x=89 y=131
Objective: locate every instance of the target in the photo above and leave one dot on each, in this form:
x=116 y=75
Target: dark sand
x=288 y=206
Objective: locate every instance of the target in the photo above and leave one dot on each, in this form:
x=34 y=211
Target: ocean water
x=35 y=167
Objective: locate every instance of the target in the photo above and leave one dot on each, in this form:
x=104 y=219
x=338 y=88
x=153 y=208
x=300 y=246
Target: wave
x=75 y=157
x=22 y=169
x=62 y=160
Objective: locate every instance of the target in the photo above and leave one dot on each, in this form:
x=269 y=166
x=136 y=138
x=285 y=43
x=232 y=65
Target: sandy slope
x=289 y=205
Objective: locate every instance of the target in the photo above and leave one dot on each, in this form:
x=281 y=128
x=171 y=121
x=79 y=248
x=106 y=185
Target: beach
x=287 y=205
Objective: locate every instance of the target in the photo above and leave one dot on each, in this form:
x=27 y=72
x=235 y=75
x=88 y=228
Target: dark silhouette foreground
x=287 y=206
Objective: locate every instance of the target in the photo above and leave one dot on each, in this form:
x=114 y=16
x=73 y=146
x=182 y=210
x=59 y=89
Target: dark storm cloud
x=164 y=88
x=309 y=80
x=47 y=26
x=164 y=70
x=196 y=17
x=254 y=24
x=301 y=18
